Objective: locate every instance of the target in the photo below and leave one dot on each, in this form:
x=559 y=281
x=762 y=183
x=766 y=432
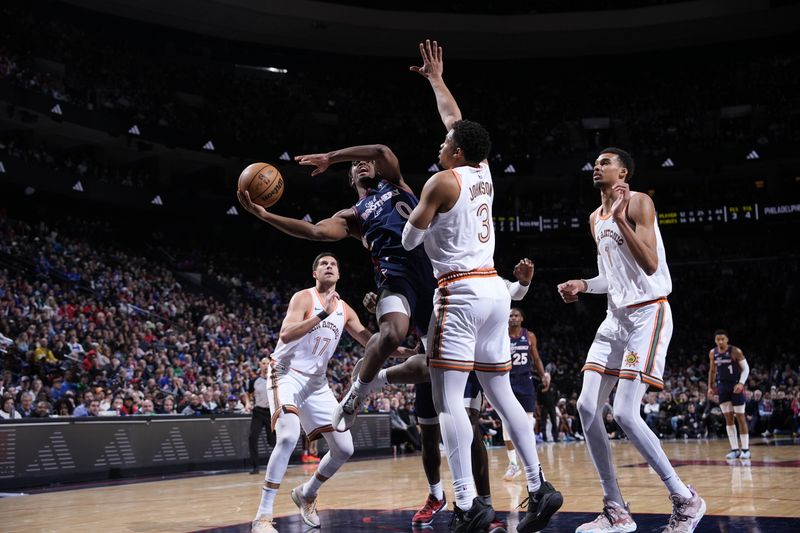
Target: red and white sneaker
x=614 y=519
x=424 y=516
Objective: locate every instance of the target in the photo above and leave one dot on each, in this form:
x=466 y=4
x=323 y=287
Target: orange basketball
x=264 y=183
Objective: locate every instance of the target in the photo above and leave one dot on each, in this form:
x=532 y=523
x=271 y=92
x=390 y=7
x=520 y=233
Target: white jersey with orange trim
x=311 y=352
x=627 y=282
x=462 y=239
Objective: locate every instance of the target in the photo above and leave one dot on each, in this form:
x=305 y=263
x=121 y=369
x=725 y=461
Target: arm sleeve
x=599 y=283
x=412 y=237
x=745 y=371
x=516 y=289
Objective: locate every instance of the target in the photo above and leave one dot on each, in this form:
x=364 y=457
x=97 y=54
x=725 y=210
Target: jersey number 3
x=486 y=223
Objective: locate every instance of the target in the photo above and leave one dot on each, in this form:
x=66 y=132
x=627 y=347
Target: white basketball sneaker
x=686 y=513
x=614 y=519
x=307 y=506
x=512 y=472
x=345 y=414
x=263 y=525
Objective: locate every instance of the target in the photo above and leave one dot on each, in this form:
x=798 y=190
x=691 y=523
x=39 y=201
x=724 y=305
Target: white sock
x=532 y=475
x=361 y=387
x=437 y=491
x=465 y=492
x=676 y=486
x=732 y=437
x=267 y=499
x=311 y=487
x=380 y=380
x=745 y=440
x=512 y=457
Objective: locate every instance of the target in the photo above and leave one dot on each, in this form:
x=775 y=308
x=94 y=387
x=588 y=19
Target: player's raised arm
x=335 y=228
x=387 y=165
x=641 y=238
x=295 y=324
x=433 y=68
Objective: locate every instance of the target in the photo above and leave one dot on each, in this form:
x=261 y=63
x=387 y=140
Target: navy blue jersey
x=521 y=362
x=381 y=214
x=727 y=368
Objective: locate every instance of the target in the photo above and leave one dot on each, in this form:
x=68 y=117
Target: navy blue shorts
x=417 y=291
x=726 y=394
x=423 y=402
x=528 y=402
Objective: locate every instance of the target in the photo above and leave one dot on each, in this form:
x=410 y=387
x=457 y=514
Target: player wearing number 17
x=630 y=347
x=298 y=390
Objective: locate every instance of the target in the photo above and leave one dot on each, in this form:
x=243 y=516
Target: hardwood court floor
x=764 y=487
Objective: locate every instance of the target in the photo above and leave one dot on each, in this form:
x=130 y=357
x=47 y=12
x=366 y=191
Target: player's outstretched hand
x=247 y=203
x=432 y=64
x=569 y=290
x=524 y=271
x=320 y=161
x=370 y=302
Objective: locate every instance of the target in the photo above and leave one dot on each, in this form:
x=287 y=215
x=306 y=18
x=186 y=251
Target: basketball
x=264 y=183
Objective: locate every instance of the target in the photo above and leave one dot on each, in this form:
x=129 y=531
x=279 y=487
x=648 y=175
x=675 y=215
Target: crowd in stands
x=95 y=328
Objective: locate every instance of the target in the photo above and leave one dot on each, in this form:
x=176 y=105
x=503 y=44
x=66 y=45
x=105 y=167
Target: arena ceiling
x=330 y=27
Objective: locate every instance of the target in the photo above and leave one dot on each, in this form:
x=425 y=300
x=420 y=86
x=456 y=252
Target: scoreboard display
x=740 y=213
x=724 y=214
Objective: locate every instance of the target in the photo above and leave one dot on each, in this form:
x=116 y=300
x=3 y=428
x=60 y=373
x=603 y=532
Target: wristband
x=322 y=315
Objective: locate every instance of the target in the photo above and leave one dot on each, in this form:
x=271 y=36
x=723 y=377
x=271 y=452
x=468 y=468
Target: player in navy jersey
x=728 y=370
x=524 y=358
x=404 y=279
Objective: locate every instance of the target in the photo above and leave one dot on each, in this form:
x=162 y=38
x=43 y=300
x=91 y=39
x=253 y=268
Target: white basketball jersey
x=627 y=282
x=462 y=239
x=311 y=352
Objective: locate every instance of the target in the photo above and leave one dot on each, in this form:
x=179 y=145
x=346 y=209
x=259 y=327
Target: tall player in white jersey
x=299 y=394
x=469 y=327
x=630 y=346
